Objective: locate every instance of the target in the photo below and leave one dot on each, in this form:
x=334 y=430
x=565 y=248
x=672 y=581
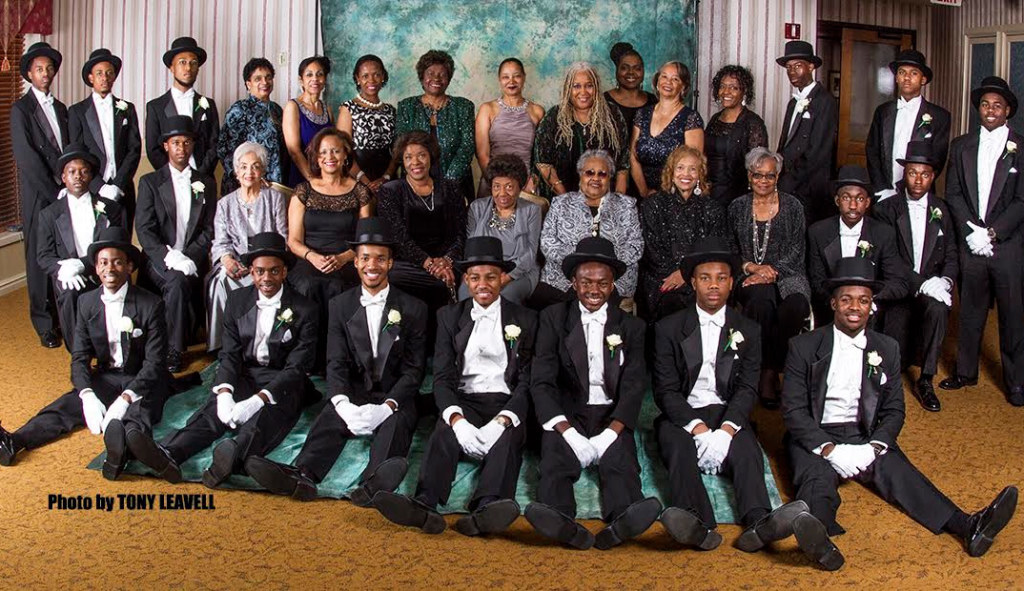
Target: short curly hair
x=508 y=166
x=313 y=150
x=742 y=75
x=434 y=57
x=370 y=58
x=416 y=138
x=254 y=64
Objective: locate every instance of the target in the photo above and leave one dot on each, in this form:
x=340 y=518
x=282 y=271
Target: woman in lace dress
x=370 y=122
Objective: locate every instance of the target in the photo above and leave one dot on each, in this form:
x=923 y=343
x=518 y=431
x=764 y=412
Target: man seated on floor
x=706 y=367
x=122 y=327
x=842 y=405
x=481 y=386
x=587 y=382
x=376 y=357
x=269 y=341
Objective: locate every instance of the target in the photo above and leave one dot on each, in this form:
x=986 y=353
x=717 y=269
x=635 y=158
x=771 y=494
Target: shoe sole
x=777 y=526
x=387 y=477
x=551 y=523
x=114 y=440
x=149 y=453
x=1005 y=506
x=221 y=465
x=401 y=510
x=685 y=528
x=813 y=540
x=635 y=520
x=493 y=518
x=271 y=476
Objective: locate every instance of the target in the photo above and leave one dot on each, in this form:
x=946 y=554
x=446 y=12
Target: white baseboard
x=12 y=283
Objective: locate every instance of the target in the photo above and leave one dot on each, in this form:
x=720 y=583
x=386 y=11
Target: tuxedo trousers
x=618 y=470
x=40 y=296
x=65 y=414
x=929 y=318
x=499 y=469
x=67 y=306
x=329 y=434
x=183 y=303
x=892 y=476
x=744 y=464
x=981 y=279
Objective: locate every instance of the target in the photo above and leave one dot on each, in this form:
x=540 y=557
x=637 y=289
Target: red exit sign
x=792 y=30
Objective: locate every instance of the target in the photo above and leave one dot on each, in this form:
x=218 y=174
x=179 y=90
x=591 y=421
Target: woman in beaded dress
x=507 y=125
x=306 y=115
x=732 y=133
x=768 y=231
x=370 y=122
x=258 y=119
x=660 y=128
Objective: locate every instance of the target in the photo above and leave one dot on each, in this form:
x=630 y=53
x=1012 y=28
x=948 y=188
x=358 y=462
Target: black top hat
x=267 y=244
x=593 y=249
x=373 y=230
x=852 y=174
x=997 y=85
x=41 y=49
x=98 y=56
x=712 y=249
x=799 y=50
x=183 y=44
x=919 y=152
x=854 y=271
x=77 y=152
x=911 y=57
x=483 y=250
x=176 y=125
x=115 y=237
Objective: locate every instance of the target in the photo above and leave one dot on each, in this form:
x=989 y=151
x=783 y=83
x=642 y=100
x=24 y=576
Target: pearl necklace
x=359 y=99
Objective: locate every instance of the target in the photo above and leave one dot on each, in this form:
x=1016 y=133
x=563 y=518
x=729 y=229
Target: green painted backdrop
x=546 y=35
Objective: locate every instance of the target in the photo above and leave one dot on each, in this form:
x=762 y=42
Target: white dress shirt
x=46 y=102
x=184 y=104
x=906 y=116
x=374 y=309
x=593 y=331
x=105 y=113
x=918 y=224
x=845 y=372
x=268 y=308
x=799 y=95
x=83 y=219
x=849 y=237
x=113 y=308
x=990 y=150
x=182 y=182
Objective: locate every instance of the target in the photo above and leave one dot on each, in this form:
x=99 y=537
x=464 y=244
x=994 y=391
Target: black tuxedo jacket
x=940 y=257
x=1006 y=200
x=824 y=250
x=397 y=371
x=881 y=411
x=292 y=344
x=559 y=380
x=36 y=150
x=143 y=351
x=678 y=357
x=883 y=129
x=84 y=124
x=207 y=126
x=155 y=218
x=56 y=240
x=454 y=327
x=808 y=154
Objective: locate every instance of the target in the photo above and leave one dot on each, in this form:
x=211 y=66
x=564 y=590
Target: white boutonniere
x=613 y=340
x=203 y=103
x=926 y=119
x=101 y=208
x=864 y=246
x=802 y=104
x=734 y=341
x=512 y=333
x=394 y=319
x=284 y=317
x=198 y=187
x=121 y=105
x=1011 y=148
x=126 y=324
x=935 y=214
x=874 y=360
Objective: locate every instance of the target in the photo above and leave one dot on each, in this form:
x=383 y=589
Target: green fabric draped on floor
x=345 y=474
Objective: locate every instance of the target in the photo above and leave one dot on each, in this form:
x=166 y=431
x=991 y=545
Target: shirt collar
x=42 y=98
x=275 y=300
x=383 y=294
x=842 y=339
x=802 y=94
x=603 y=308
x=718 y=318
x=844 y=229
x=96 y=98
x=999 y=134
x=178 y=95
x=902 y=103
x=185 y=175
x=119 y=293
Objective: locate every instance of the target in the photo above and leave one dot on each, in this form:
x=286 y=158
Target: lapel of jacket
x=999 y=178
x=120 y=128
x=903 y=226
x=197 y=113
x=98 y=331
x=614 y=356
x=278 y=328
x=247 y=325
x=66 y=229
x=165 y=189
x=102 y=219
x=389 y=333
x=463 y=330
x=44 y=123
x=784 y=139
x=508 y=317
x=833 y=252
x=819 y=375
x=693 y=349
x=725 y=356
x=359 y=334
x=920 y=130
x=197 y=201
x=170 y=110
x=931 y=231
x=869 y=387
x=576 y=345
x=888 y=137
x=969 y=161
x=92 y=119
x=126 y=337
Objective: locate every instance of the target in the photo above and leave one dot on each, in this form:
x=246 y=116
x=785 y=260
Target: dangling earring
x=744 y=102
x=697 y=191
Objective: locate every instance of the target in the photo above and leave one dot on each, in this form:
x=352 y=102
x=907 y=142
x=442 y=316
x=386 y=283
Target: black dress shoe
x=117 y=450
x=552 y=523
x=281 y=479
x=955 y=382
x=925 y=393
x=388 y=475
x=223 y=463
x=635 y=520
x=687 y=529
x=49 y=339
x=773 y=527
x=815 y=543
x=988 y=522
x=1015 y=396
x=7 y=448
x=153 y=455
x=407 y=511
x=175 y=361
x=492 y=518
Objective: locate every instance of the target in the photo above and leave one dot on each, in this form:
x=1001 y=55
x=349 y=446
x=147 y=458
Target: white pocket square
x=941 y=233
x=287 y=336
x=1013 y=170
x=928 y=136
x=124 y=122
x=806 y=115
x=883 y=380
x=397 y=337
x=622 y=357
x=137 y=333
x=203 y=118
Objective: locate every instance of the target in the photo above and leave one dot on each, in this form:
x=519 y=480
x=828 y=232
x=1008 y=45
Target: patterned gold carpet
x=971 y=450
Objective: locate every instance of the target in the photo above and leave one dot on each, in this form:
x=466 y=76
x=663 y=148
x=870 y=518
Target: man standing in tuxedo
x=926 y=244
x=269 y=342
x=842 y=405
x=109 y=128
x=122 y=327
x=184 y=59
x=67 y=228
x=907 y=118
x=985 y=194
x=706 y=367
x=808 y=139
x=376 y=356
x=852 y=233
x=587 y=383
x=174 y=222
x=481 y=386
x=39 y=132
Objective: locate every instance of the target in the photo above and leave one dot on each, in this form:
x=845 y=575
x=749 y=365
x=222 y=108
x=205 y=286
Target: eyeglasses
x=763 y=176
x=601 y=174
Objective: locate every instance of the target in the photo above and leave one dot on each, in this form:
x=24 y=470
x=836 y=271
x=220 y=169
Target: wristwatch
x=992 y=234
x=503 y=421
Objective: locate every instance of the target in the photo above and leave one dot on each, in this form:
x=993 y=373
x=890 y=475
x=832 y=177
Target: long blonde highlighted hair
x=678 y=154
x=601 y=124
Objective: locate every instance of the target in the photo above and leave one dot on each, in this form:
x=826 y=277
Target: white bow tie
x=601 y=316
x=859 y=342
x=103 y=101
x=920 y=203
x=902 y=104
x=478 y=313
x=184 y=176
x=113 y=298
x=374 y=300
x=189 y=94
x=714 y=320
x=46 y=100
x=844 y=231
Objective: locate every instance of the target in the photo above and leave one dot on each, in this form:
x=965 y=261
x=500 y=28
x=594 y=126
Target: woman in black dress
x=370 y=122
x=628 y=94
x=732 y=133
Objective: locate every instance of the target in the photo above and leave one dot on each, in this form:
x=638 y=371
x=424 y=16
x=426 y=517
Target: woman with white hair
x=251 y=209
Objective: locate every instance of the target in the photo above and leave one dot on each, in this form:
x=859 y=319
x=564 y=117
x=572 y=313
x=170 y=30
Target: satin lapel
x=869 y=388
x=247 y=327
x=92 y=118
x=888 y=137
x=169 y=109
x=903 y=223
x=612 y=358
x=66 y=229
x=197 y=113
x=44 y=123
x=790 y=107
x=126 y=338
x=511 y=347
x=725 y=358
x=833 y=252
x=819 y=376
x=919 y=131
x=464 y=329
x=119 y=130
x=277 y=329
x=576 y=344
x=931 y=232
x=693 y=352
x=999 y=180
x=359 y=333
x=969 y=160
x=166 y=191
x=388 y=335
x=98 y=333
x=195 y=211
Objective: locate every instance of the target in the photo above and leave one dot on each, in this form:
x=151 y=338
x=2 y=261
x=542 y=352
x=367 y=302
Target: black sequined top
x=726 y=145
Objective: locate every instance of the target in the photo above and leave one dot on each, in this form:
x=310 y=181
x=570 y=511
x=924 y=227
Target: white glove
x=352 y=415
x=115 y=412
x=701 y=441
x=375 y=414
x=602 y=441
x=111 y=192
x=844 y=460
x=718 y=443
x=245 y=410
x=489 y=434
x=938 y=289
x=69 y=268
x=76 y=283
x=978 y=238
x=863 y=456
x=225 y=404
x=469 y=439
x=176 y=260
x=173 y=257
x=585 y=451
x=985 y=251
x=93 y=410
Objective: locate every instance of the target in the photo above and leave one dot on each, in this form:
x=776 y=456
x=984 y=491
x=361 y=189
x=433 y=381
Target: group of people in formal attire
x=613 y=242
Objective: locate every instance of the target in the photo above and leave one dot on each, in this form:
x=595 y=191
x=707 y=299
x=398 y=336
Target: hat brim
x=463 y=266
x=574 y=260
x=925 y=70
x=917 y=160
x=26 y=60
x=355 y=244
x=836 y=185
x=285 y=255
x=691 y=262
x=874 y=285
x=87 y=68
x=65 y=158
x=1011 y=99
x=199 y=51
x=126 y=247
x=176 y=132
x=813 y=59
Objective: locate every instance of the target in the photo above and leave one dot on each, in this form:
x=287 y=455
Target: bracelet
x=360 y=175
x=386 y=177
x=305 y=257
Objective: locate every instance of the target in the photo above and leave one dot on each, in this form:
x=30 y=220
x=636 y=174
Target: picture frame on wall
x=833 y=82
